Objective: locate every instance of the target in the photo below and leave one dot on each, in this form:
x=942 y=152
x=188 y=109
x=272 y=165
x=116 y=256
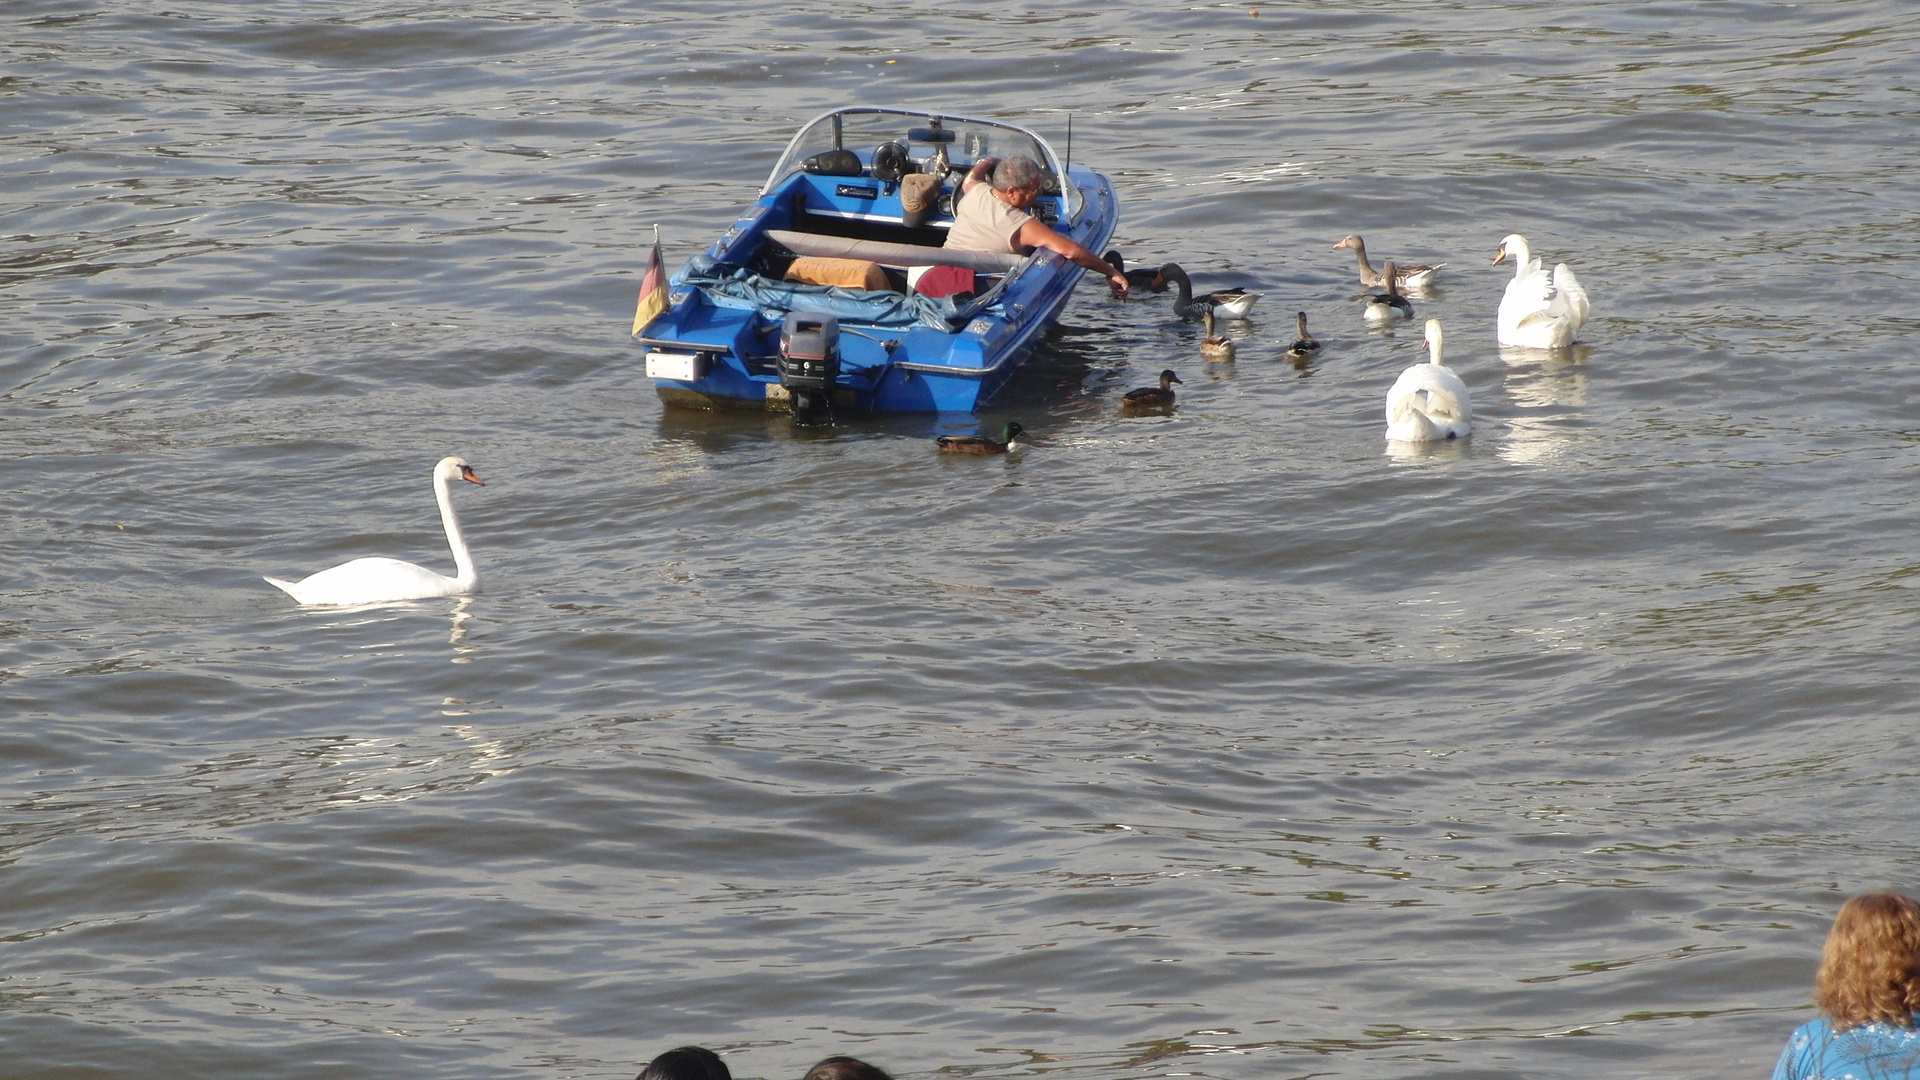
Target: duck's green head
x=1012 y=431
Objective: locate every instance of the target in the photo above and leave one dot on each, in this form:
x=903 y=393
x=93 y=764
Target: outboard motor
x=810 y=361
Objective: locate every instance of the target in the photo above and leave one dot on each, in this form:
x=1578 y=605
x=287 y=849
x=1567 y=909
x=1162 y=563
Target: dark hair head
x=845 y=1068
x=687 y=1063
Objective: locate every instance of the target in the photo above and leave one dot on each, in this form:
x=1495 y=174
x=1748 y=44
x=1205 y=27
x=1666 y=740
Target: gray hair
x=1017 y=173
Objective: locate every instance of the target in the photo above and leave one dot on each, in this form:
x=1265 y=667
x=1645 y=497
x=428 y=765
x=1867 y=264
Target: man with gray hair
x=993 y=217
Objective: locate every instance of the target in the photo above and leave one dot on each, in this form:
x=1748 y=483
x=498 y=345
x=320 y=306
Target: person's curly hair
x=1870 y=967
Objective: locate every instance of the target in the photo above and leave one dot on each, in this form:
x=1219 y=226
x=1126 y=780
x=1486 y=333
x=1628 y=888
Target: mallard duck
x=1540 y=310
x=1233 y=303
x=1390 y=305
x=1428 y=402
x=1304 y=345
x=980 y=444
x=1148 y=279
x=1410 y=276
x=1214 y=350
x=1151 y=397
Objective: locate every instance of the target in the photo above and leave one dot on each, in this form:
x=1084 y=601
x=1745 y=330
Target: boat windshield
x=863 y=130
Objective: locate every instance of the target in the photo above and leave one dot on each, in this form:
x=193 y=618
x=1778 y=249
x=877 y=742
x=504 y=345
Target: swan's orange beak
x=1498 y=255
x=467 y=474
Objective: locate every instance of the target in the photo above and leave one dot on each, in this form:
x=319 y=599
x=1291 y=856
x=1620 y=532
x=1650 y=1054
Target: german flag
x=653 y=291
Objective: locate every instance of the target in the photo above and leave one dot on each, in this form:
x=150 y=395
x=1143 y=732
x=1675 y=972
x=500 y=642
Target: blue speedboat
x=833 y=291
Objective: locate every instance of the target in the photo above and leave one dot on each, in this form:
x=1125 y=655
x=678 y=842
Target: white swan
x=1428 y=403
x=1539 y=310
x=379 y=581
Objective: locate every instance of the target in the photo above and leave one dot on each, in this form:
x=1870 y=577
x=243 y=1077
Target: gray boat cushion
x=841 y=247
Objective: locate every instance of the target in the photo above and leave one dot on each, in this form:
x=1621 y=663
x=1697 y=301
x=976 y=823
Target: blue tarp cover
x=728 y=285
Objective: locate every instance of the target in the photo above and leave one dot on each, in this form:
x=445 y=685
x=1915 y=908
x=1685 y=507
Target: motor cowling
x=809 y=359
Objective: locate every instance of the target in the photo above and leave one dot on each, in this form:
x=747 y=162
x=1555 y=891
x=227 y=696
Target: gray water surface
x=1228 y=744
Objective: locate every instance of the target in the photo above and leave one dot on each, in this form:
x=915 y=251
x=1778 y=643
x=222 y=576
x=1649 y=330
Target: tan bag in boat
x=846 y=273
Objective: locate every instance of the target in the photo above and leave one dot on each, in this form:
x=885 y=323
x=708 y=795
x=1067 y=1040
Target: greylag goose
x=1410 y=276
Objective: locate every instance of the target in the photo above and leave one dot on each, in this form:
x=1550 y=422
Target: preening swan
x=1428 y=402
x=1540 y=310
x=379 y=581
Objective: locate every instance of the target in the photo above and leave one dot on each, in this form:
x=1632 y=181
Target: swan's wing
x=1406 y=391
x=1527 y=295
x=1446 y=396
x=1446 y=405
x=370 y=581
x=1568 y=287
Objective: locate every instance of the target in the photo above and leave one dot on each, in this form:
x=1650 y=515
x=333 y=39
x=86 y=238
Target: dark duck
x=1232 y=303
x=1152 y=397
x=980 y=444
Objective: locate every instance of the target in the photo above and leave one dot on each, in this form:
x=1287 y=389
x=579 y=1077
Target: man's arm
x=978 y=174
x=1036 y=234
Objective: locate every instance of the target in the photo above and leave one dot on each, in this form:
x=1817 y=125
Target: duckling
x=1390 y=305
x=1304 y=346
x=1149 y=397
x=1148 y=279
x=980 y=444
x=1233 y=303
x=1214 y=350
x=1409 y=276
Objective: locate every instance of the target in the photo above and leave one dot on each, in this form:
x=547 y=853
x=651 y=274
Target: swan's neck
x=1522 y=258
x=1185 y=286
x=463 y=571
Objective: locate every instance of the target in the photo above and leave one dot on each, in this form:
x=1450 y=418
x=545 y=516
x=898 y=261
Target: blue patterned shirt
x=1869 y=1052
